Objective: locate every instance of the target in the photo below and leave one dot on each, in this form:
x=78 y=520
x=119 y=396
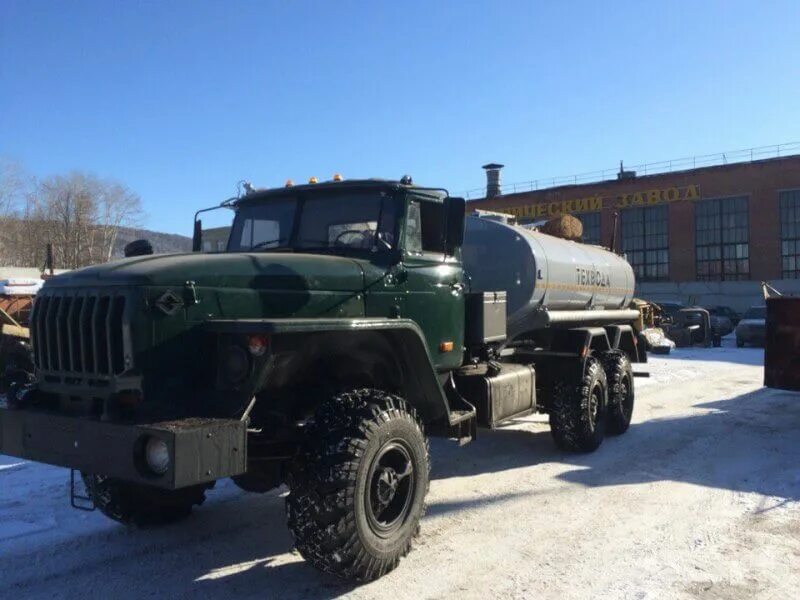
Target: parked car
x=753 y=327
x=671 y=309
x=691 y=326
x=725 y=311
x=721 y=323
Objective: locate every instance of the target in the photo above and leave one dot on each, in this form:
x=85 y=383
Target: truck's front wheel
x=358 y=492
x=141 y=505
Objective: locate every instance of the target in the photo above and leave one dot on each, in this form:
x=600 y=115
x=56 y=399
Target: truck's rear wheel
x=357 y=493
x=579 y=412
x=141 y=505
x=619 y=376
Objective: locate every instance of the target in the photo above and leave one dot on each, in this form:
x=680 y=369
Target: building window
x=790 y=234
x=645 y=241
x=591 y=227
x=722 y=239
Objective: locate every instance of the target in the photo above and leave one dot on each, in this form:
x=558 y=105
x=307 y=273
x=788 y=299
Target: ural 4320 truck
x=345 y=322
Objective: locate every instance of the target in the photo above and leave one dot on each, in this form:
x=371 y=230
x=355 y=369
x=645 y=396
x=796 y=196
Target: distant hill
x=163 y=243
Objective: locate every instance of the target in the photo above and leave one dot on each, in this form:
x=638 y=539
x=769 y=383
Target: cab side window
x=425 y=227
x=414 y=229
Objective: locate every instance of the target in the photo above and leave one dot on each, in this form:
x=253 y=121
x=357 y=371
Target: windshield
x=756 y=312
x=335 y=222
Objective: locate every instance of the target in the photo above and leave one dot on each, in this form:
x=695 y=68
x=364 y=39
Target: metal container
x=498 y=395
x=486 y=318
x=544 y=275
x=17 y=307
x=782 y=344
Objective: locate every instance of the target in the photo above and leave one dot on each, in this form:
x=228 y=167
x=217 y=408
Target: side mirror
x=455 y=211
x=197 y=236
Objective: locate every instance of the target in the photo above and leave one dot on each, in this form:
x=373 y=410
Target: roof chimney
x=623 y=174
x=492 y=179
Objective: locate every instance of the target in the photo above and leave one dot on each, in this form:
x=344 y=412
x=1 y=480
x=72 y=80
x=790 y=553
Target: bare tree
x=16 y=187
x=82 y=214
x=79 y=214
x=117 y=207
x=13 y=185
x=65 y=210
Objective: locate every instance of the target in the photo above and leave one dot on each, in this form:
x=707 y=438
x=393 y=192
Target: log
x=564 y=226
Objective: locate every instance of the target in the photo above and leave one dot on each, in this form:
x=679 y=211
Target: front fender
x=396 y=346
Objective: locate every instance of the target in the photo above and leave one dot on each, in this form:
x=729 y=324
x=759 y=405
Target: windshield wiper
x=263 y=244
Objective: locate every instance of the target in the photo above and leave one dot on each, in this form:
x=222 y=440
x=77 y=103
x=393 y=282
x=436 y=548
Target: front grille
x=85 y=333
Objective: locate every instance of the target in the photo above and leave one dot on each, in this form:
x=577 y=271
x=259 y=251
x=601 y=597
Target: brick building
x=706 y=235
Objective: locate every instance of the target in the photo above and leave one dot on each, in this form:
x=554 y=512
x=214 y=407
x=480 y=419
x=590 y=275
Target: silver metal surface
x=544 y=275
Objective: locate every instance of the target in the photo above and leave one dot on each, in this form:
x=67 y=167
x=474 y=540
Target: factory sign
x=596 y=203
x=671 y=194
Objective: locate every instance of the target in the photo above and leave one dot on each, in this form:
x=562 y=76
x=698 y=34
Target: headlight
x=156 y=454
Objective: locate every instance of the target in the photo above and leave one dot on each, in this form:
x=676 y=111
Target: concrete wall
x=739 y=295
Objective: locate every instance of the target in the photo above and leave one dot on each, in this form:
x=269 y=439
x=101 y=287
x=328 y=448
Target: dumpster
x=782 y=347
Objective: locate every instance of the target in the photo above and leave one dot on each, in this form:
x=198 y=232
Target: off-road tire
x=574 y=424
x=16 y=363
x=619 y=376
x=141 y=505
x=333 y=483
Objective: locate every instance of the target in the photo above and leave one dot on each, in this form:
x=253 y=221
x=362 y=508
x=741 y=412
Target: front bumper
x=201 y=450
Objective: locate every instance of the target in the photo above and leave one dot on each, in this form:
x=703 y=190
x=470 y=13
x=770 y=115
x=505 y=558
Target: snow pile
x=20 y=286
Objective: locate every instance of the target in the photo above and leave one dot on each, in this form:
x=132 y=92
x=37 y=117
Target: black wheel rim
x=391 y=484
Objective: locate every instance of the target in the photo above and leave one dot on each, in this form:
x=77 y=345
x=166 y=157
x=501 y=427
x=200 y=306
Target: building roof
x=792 y=161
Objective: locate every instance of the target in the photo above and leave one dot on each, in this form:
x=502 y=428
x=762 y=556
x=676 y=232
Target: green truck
x=345 y=322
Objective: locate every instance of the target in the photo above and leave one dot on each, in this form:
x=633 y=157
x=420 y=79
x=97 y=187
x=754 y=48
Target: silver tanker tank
x=548 y=280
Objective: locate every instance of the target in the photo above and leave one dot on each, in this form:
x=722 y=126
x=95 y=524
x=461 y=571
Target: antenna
x=613 y=244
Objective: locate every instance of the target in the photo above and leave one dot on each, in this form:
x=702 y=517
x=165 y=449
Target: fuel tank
x=543 y=275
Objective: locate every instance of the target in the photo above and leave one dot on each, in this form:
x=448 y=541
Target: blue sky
x=180 y=100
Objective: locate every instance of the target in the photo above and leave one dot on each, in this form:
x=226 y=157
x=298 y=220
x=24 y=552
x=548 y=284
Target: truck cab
x=396 y=235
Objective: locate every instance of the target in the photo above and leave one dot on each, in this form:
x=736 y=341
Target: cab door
x=433 y=283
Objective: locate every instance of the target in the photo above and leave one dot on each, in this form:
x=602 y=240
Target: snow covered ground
x=700 y=499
